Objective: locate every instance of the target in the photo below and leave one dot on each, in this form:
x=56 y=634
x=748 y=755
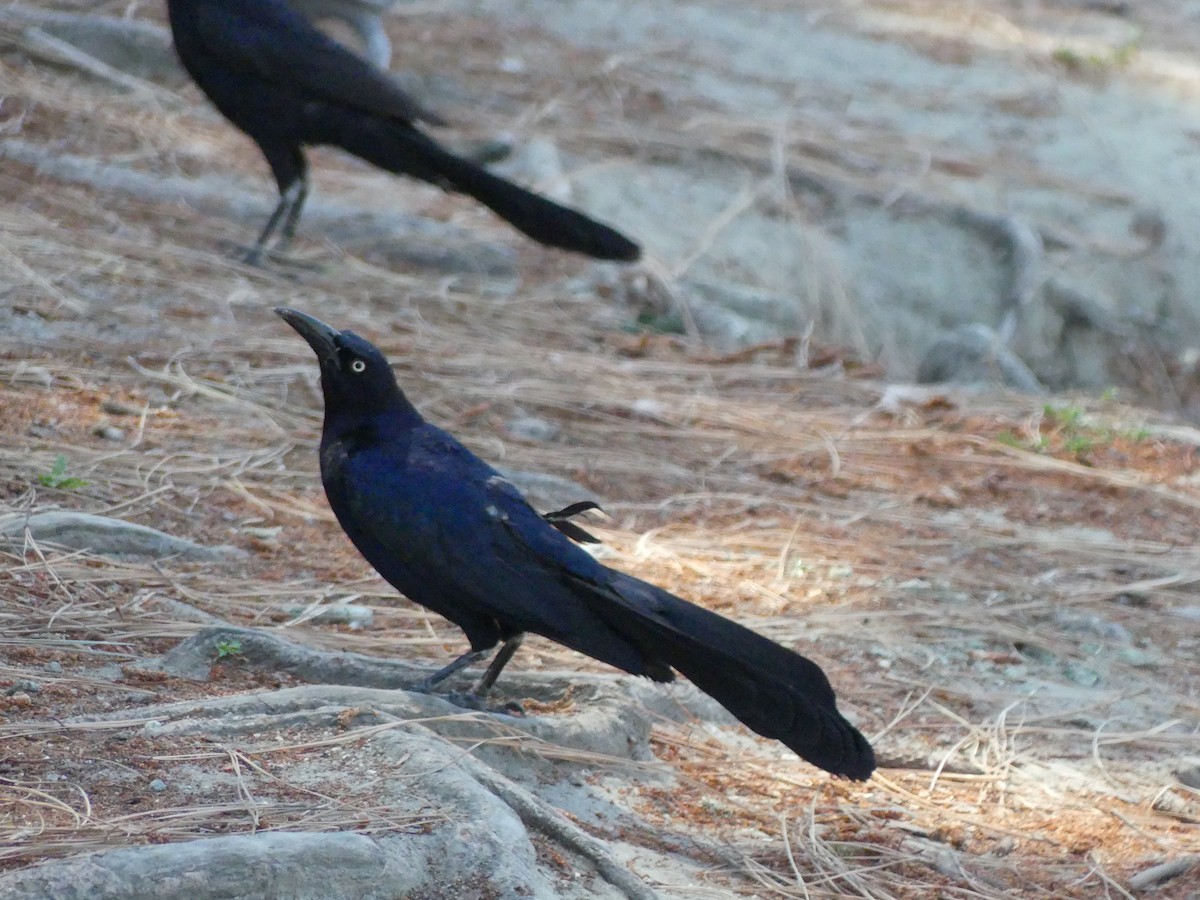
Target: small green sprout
x=227 y=647
x=58 y=478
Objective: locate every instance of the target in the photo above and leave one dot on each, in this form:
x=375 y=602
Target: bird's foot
x=470 y=700
x=260 y=258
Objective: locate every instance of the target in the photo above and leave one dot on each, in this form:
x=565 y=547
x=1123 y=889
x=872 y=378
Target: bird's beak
x=320 y=336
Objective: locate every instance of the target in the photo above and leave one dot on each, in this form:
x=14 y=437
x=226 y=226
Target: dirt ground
x=1001 y=588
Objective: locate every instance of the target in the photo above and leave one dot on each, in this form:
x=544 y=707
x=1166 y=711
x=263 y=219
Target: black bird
x=450 y=533
x=288 y=86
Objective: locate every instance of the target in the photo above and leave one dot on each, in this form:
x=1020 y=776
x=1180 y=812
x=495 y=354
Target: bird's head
x=355 y=376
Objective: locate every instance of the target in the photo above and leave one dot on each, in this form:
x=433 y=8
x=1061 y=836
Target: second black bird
x=448 y=531
x=288 y=86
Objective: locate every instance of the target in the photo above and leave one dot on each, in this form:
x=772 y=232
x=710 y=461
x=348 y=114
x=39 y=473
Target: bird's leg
x=287 y=200
x=507 y=649
x=288 y=232
x=475 y=697
x=468 y=658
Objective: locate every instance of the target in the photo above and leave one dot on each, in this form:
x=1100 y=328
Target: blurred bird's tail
x=770 y=689
x=400 y=148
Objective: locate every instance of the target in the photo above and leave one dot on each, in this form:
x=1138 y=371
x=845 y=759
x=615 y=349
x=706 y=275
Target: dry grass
x=958 y=565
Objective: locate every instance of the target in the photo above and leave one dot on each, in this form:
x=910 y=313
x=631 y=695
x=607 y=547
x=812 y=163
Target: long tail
x=770 y=689
x=400 y=148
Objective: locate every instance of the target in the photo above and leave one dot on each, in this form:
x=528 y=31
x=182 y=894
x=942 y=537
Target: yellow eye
x=358 y=366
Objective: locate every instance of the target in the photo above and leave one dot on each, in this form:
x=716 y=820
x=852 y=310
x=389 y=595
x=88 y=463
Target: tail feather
x=398 y=147
x=770 y=689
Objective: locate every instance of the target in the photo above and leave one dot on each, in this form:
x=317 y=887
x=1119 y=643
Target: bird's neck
x=390 y=419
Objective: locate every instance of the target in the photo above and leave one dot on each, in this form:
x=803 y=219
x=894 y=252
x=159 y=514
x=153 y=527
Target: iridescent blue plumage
x=449 y=532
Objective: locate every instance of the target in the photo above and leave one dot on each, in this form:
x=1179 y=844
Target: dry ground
x=1003 y=589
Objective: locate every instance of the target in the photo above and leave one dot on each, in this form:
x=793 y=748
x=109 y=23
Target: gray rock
x=53 y=667
x=1081 y=674
x=113 y=537
x=134 y=46
x=347 y=614
x=362 y=17
x=1188 y=772
x=1087 y=623
x=109 y=432
x=974 y=355
x=158 y=785
x=1162 y=873
x=531 y=428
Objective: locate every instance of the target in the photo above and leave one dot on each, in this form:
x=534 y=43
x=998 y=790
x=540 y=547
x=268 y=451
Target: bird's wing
x=272 y=42
x=453 y=534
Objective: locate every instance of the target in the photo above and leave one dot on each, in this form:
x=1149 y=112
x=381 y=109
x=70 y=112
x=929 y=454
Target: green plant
x=1065 y=417
x=1079 y=443
x=57 y=477
x=227 y=647
x=1011 y=439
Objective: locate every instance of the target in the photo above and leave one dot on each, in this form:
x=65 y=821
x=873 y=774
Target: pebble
x=1081 y=674
x=53 y=667
x=1139 y=659
x=117 y=408
x=25 y=686
x=531 y=428
x=158 y=785
x=109 y=432
x=354 y=616
x=1086 y=623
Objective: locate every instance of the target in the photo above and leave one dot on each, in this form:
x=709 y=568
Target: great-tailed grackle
x=288 y=86
x=449 y=532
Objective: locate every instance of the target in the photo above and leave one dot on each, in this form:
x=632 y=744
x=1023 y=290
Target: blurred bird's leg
x=293 y=215
x=474 y=699
x=287 y=211
x=507 y=649
x=467 y=659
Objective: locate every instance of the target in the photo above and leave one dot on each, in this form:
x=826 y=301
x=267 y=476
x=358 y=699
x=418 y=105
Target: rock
x=537 y=161
x=1037 y=654
x=531 y=428
x=109 y=432
x=362 y=17
x=1188 y=772
x=1081 y=674
x=974 y=355
x=53 y=667
x=114 y=537
x=158 y=785
x=1087 y=623
x=134 y=46
x=1139 y=659
x=1162 y=873
x=347 y=614
x=118 y=408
